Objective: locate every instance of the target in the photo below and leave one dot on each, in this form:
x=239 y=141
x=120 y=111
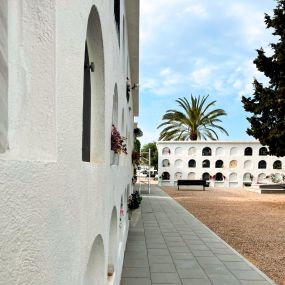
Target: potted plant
x=118 y=145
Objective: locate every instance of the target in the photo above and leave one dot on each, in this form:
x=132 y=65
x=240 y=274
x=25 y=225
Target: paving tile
x=196 y=282
x=218 y=279
x=168 y=268
x=136 y=263
x=202 y=253
x=182 y=255
x=228 y=257
x=208 y=260
x=178 y=249
x=255 y=283
x=159 y=259
x=158 y=251
x=195 y=273
x=135 y=281
x=241 y=265
x=135 y=272
x=157 y=245
x=247 y=275
x=165 y=278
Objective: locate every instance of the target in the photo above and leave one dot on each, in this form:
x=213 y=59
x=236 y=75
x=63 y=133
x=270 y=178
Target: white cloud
x=196 y=9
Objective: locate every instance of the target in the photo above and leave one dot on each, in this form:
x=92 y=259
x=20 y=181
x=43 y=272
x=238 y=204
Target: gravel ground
x=252 y=223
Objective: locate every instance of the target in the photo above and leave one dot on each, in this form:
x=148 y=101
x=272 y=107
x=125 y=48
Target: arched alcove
x=165 y=163
x=179 y=151
x=178 y=175
x=191 y=175
x=192 y=151
x=3 y=75
x=219 y=164
x=206 y=151
x=115 y=107
x=113 y=242
x=234 y=151
x=233 y=164
x=178 y=163
x=263 y=151
x=261 y=178
x=93 y=129
x=277 y=164
x=192 y=163
x=248 y=151
x=166 y=151
x=247 y=177
x=220 y=151
x=233 y=177
x=248 y=164
x=219 y=176
x=165 y=176
x=95 y=272
x=262 y=164
x=206 y=176
x=206 y=163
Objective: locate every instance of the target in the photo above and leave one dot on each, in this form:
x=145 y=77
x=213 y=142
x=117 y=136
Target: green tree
x=268 y=102
x=196 y=120
x=153 y=153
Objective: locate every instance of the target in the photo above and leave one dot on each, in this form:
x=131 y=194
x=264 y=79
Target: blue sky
x=200 y=47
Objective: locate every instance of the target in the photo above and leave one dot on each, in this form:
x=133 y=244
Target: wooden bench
x=186 y=182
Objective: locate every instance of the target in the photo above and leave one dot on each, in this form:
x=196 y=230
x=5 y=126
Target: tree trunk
x=193 y=136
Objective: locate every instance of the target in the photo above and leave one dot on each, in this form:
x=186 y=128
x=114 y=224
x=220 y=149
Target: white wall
x=55 y=209
x=235 y=164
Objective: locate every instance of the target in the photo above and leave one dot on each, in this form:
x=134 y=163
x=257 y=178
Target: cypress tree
x=267 y=104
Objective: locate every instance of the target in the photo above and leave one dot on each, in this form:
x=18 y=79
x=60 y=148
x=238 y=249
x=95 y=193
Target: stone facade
x=63 y=204
x=223 y=164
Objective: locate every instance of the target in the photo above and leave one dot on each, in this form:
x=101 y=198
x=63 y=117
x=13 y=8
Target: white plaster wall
x=3 y=76
x=220 y=151
x=53 y=206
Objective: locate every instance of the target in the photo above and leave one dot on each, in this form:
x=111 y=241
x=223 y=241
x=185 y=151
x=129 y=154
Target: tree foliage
x=267 y=104
x=196 y=120
x=153 y=153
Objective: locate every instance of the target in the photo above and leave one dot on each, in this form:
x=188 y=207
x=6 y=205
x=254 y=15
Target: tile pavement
x=168 y=246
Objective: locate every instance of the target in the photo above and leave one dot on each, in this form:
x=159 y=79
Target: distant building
x=68 y=71
x=223 y=164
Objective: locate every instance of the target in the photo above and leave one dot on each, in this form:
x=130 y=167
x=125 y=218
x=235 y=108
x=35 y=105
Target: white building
x=223 y=164
x=63 y=74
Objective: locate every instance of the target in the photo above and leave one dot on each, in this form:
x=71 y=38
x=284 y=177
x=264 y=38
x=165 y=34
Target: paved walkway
x=167 y=245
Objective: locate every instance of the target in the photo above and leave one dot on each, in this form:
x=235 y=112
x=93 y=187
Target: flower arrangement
x=134 y=200
x=118 y=144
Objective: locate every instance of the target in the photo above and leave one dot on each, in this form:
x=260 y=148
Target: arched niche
x=247 y=177
x=233 y=177
x=192 y=163
x=248 y=164
x=206 y=151
x=179 y=151
x=277 y=164
x=233 y=164
x=3 y=75
x=95 y=271
x=234 y=151
x=220 y=151
x=166 y=151
x=123 y=122
x=206 y=176
x=263 y=151
x=248 y=151
x=206 y=163
x=192 y=151
x=178 y=163
x=262 y=164
x=165 y=175
x=191 y=175
x=115 y=107
x=113 y=243
x=219 y=164
x=93 y=134
x=178 y=175
x=219 y=176
x=261 y=178
x=165 y=163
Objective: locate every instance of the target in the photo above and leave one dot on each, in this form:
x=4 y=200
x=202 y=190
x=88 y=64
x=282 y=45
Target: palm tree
x=195 y=121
